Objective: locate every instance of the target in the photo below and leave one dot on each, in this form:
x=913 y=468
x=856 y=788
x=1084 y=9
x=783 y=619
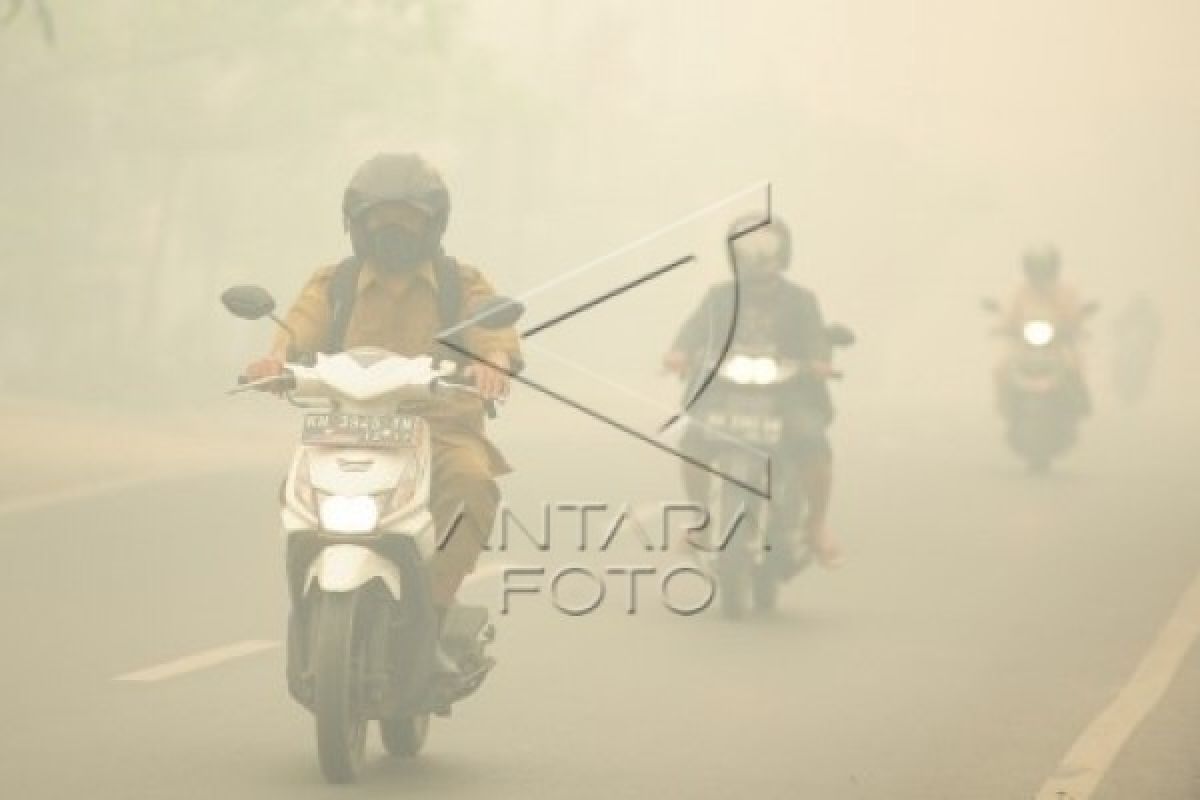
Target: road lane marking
x=87 y=491
x=199 y=661
x=219 y=655
x=1086 y=763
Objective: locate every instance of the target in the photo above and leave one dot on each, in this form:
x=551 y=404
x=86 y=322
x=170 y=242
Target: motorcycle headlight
x=739 y=369
x=354 y=514
x=766 y=370
x=1038 y=332
x=745 y=370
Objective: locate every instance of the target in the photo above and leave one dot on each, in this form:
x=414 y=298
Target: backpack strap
x=449 y=298
x=343 y=290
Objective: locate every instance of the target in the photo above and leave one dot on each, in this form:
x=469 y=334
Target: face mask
x=394 y=250
x=1041 y=277
x=759 y=257
x=760 y=270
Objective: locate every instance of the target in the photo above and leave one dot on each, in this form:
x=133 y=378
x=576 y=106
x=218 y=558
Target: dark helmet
x=754 y=223
x=396 y=178
x=1042 y=263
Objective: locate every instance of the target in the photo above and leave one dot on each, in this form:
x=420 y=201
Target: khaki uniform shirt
x=399 y=313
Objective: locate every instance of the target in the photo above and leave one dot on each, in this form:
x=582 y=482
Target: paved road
x=984 y=621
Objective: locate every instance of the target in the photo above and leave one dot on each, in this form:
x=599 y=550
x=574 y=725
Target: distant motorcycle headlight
x=746 y=370
x=766 y=370
x=740 y=369
x=1038 y=332
x=341 y=514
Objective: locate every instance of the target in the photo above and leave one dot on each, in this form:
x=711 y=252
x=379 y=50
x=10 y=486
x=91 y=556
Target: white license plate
x=359 y=430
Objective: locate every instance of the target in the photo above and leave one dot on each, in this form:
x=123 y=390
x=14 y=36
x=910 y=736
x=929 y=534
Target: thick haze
x=152 y=156
x=154 y=153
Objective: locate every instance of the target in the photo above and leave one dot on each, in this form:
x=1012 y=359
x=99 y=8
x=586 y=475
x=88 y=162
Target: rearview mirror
x=248 y=302
x=839 y=335
x=499 y=312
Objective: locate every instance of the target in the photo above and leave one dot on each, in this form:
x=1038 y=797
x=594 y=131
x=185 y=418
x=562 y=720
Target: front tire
x=765 y=590
x=735 y=562
x=731 y=586
x=403 y=737
x=1039 y=434
x=340 y=662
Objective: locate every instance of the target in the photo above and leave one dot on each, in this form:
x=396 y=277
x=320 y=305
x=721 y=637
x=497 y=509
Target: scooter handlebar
x=489 y=405
x=272 y=383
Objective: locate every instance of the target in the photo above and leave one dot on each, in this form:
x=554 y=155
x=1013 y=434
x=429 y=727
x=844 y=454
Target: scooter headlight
x=349 y=514
x=766 y=370
x=745 y=370
x=1038 y=332
x=739 y=369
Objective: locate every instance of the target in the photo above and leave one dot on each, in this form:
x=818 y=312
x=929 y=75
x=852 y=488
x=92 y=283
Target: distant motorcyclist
x=774 y=308
x=1044 y=296
x=397 y=288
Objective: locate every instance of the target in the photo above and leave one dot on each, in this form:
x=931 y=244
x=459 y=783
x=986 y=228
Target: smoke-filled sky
x=153 y=154
x=916 y=148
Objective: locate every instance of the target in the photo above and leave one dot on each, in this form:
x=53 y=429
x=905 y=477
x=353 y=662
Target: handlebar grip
x=283 y=382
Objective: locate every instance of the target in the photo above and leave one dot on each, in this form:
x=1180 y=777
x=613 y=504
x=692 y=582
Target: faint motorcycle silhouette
x=1136 y=332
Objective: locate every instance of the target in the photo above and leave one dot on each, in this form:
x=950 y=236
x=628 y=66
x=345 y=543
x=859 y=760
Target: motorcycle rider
x=395 y=209
x=1044 y=296
x=789 y=316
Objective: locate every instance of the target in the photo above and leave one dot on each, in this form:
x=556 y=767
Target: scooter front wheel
x=340 y=663
x=765 y=590
x=404 y=736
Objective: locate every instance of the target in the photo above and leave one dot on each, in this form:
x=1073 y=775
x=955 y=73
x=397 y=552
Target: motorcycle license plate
x=361 y=430
x=755 y=428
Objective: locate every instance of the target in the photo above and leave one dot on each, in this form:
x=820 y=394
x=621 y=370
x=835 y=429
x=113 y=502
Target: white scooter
x=363 y=634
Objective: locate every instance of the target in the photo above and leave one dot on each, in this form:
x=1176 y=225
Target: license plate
x=362 y=430
x=754 y=428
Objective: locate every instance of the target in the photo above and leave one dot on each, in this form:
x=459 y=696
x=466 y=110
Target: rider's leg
x=696 y=481
x=1080 y=395
x=464 y=499
x=806 y=441
x=816 y=481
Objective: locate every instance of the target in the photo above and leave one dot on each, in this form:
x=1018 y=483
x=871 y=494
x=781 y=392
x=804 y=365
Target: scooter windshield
x=368 y=373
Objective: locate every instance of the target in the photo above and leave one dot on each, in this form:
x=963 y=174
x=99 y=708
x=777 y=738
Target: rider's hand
x=822 y=370
x=269 y=367
x=675 y=362
x=491 y=381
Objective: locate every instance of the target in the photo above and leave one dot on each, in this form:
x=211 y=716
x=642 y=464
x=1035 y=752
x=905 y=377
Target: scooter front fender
x=346 y=567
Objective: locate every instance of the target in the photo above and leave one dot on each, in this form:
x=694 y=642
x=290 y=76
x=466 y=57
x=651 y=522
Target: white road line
x=198 y=661
x=86 y=491
x=1085 y=764
x=219 y=655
